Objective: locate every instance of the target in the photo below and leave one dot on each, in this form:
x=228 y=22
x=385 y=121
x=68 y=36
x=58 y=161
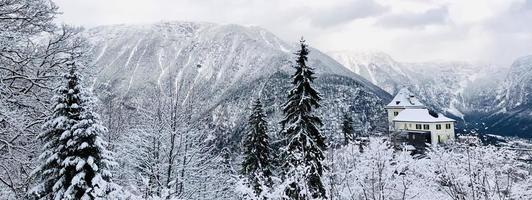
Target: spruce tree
x=74 y=162
x=347 y=129
x=256 y=165
x=305 y=145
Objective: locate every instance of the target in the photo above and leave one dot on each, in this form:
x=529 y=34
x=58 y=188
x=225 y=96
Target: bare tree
x=33 y=52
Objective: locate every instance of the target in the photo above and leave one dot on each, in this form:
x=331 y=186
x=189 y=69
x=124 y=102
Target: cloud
x=410 y=30
x=528 y=4
x=510 y=32
x=415 y=20
x=346 y=12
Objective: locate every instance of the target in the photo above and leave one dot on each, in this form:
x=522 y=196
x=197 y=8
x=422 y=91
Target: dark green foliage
x=305 y=145
x=347 y=129
x=66 y=113
x=256 y=164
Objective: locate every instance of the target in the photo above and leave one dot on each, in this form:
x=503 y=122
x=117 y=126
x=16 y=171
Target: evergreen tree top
x=257 y=107
x=75 y=162
x=304 y=153
x=302 y=97
x=302 y=53
x=256 y=163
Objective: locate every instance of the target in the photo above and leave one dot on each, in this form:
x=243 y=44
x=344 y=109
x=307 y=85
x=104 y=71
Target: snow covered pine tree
x=256 y=165
x=303 y=159
x=33 y=48
x=75 y=161
x=347 y=129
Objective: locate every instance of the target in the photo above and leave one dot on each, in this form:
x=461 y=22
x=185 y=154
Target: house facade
x=403 y=100
x=407 y=114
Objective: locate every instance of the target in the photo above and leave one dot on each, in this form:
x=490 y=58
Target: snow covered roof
x=409 y=147
x=405 y=99
x=421 y=115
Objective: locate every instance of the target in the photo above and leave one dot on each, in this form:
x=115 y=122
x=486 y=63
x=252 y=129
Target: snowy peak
x=220 y=54
x=211 y=72
x=517 y=87
x=521 y=64
x=511 y=109
x=377 y=67
x=477 y=94
x=361 y=57
x=184 y=54
x=446 y=86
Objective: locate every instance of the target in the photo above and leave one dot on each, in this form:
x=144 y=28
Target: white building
x=407 y=113
x=403 y=100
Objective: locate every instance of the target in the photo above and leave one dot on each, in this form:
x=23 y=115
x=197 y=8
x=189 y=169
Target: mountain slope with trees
x=180 y=90
x=483 y=98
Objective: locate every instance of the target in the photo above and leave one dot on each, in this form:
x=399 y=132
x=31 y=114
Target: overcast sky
x=494 y=31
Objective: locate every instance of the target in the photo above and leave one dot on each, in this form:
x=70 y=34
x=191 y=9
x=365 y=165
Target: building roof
x=421 y=115
x=409 y=147
x=405 y=99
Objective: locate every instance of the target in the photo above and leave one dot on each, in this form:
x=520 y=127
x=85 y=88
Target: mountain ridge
x=471 y=93
x=201 y=66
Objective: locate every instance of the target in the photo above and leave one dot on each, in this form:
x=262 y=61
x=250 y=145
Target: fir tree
x=303 y=162
x=256 y=164
x=75 y=163
x=347 y=129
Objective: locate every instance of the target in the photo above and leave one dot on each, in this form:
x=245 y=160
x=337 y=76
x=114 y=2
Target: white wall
x=445 y=134
x=391 y=116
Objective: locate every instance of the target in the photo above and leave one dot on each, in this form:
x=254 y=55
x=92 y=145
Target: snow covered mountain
x=377 y=67
x=513 y=110
x=516 y=92
x=196 y=81
x=470 y=92
x=214 y=71
x=443 y=85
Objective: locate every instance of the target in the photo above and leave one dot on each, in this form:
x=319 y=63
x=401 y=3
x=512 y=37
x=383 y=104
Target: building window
x=426 y=126
x=418 y=126
x=410 y=125
x=447 y=126
x=438 y=126
x=395 y=113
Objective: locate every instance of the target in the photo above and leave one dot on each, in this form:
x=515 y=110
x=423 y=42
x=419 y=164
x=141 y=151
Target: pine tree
x=256 y=164
x=303 y=162
x=347 y=129
x=75 y=163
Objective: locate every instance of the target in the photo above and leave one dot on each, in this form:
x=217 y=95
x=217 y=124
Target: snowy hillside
x=206 y=63
x=470 y=92
x=517 y=86
x=199 y=79
x=379 y=68
x=204 y=111
x=452 y=86
x=513 y=109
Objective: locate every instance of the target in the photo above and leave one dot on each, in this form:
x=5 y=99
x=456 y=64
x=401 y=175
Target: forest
x=63 y=135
